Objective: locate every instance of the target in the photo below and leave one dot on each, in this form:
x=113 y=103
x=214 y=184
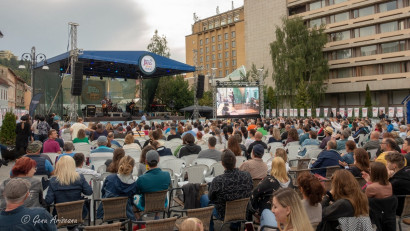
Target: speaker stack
x=200 y=87
x=77 y=79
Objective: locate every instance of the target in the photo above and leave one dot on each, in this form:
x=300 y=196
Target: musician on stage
x=104 y=104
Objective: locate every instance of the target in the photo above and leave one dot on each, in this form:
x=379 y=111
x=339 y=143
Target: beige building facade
x=218 y=42
x=368 y=43
x=18 y=92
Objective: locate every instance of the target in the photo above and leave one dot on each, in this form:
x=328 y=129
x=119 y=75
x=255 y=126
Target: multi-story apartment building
x=368 y=43
x=7 y=55
x=218 y=42
x=17 y=96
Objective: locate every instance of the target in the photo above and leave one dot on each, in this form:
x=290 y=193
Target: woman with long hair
x=23 y=133
x=120 y=185
x=218 y=136
x=129 y=143
x=189 y=146
x=25 y=168
x=289 y=211
x=81 y=137
x=113 y=164
x=361 y=162
x=312 y=192
x=275 y=135
x=348 y=200
x=199 y=140
x=278 y=178
x=67 y=185
x=292 y=136
x=234 y=146
x=142 y=166
x=378 y=185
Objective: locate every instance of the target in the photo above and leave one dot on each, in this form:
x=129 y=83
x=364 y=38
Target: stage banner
x=280 y=112
x=1 y=118
x=267 y=113
x=356 y=112
x=342 y=111
x=295 y=112
x=273 y=112
x=334 y=111
x=317 y=112
x=309 y=112
x=391 y=112
x=349 y=112
x=302 y=112
x=382 y=110
x=399 y=112
x=34 y=102
x=375 y=112
x=285 y=112
x=364 y=112
x=291 y=112
x=93 y=92
x=325 y=112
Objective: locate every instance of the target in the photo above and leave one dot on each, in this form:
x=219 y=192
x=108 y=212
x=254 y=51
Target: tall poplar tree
x=299 y=66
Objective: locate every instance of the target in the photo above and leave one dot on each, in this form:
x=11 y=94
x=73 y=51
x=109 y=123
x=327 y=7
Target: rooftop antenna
x=217 y=10
x=196 y=17
x=232 y=5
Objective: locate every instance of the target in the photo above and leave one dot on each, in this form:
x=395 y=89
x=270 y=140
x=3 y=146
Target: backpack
x=43 y=128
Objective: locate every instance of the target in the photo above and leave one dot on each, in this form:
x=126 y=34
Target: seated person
x=348 y=156
x=43 y=166
x=361 y=163
x=312 y=192
x=68 y=150
x=120 y=184
x=130 y=144
x=189 y=146
x=211 y=152
x=114 y=143
x=311 y=141
x=378 y=185
x=174 y=134
x=327 y=158
x=255 y=166
x=341 y=143
x=102 y=142
x=16 y=191
x=81 y=137
x=79 y=163
x=51 y=145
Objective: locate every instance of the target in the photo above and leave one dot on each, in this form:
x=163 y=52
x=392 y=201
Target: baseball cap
x=258 y=150
x=329 y=130
x=102 y=139
x=16 y=188
x=34 y=147
x=152 y=157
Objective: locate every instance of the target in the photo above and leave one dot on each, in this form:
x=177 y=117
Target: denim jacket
x=114 y=186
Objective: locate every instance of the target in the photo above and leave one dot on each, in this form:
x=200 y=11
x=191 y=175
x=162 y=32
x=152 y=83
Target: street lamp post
x=33 y=58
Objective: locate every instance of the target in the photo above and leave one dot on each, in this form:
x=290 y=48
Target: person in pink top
x=51 y=145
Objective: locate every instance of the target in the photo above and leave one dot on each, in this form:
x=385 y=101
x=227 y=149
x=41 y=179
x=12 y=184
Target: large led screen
x=237 y=101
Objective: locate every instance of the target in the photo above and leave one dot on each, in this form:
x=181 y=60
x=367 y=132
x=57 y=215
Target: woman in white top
x=129 y=143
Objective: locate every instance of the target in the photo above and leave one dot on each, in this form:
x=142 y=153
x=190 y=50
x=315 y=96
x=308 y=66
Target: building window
x=207 y=66
x=389 y=27
x=368 y=70
x=226 y=63
x=363 y=12
x=219 y=47
x=338 y=36
x=317 y=22
x=364 y=31
x=213 y=57
x=342 y=54
x=236 y=17
x=223 y=21
x=201 y=51
x=213 y=47
x=392 y=47
x=226 y=72
x=226 y=36
x=229 y=19
x=233 y=34
x=339 y=1
x=391 y=68
x=392 y=5
x=220 y=73
x=217 y=23
x=234 y=53
x=207 y=49
x=368 y=50
x=316 y=5
x=206 y=40
x=226 y=54
x=219 y=37
x=201 y=59
x=200 y=42
x=213 y=65
x=233 y=62
x=226 y=45
x=220 y=64
x=213 y=39
x=207 y=58
x=219 y=55
x=233 y=44
x=339 y=17
x=344 y=72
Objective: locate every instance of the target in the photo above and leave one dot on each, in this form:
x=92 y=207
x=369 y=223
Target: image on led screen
x=237 y=101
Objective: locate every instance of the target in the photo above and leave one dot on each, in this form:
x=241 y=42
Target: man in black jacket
x=399 y=177
x=258 y=140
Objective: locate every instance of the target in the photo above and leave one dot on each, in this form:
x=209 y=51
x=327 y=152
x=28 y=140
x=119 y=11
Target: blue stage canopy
x=121 y=64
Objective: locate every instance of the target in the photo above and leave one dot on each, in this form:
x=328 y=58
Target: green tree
x=253 y=74
x=297 y=59
x=8 y=129
x=368 y=101
x=174 y=89
x=269 y=96
x=206 y=100
x=13 y=65
x=158 y=45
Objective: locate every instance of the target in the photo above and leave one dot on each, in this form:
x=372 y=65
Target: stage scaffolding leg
x=261 y=95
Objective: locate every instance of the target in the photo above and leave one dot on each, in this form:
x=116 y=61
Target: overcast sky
x=104 y=24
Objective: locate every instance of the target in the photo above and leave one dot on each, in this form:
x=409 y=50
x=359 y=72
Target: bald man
x=258 y=140
x=374 y=142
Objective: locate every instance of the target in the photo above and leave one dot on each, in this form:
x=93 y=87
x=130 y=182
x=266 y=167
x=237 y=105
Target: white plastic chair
x=164 y=158
x=66 y=137
x=120 y=141
x=134 y=153
x=266 y=157
x=312 y=153
x=239 y=161
x=83 y=148
x=217 y=169
x=275 y=145
x=206 y=161
x=53 y=157
x=372 y=153
x=189 y=159
x=196 y=174
x=293 y=151
x=219 y=146
x=176 y=165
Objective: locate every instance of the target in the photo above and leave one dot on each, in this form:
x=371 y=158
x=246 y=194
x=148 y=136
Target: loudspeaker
x=100 y=114
x=91 y=110
x=77 y=79
x=200 y=86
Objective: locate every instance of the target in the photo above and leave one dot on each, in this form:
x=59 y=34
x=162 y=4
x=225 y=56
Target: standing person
x=77 y=126
x=104 y=105
x=22 y=134
x=14 y=217
x=34 y=127
x=43 y=128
